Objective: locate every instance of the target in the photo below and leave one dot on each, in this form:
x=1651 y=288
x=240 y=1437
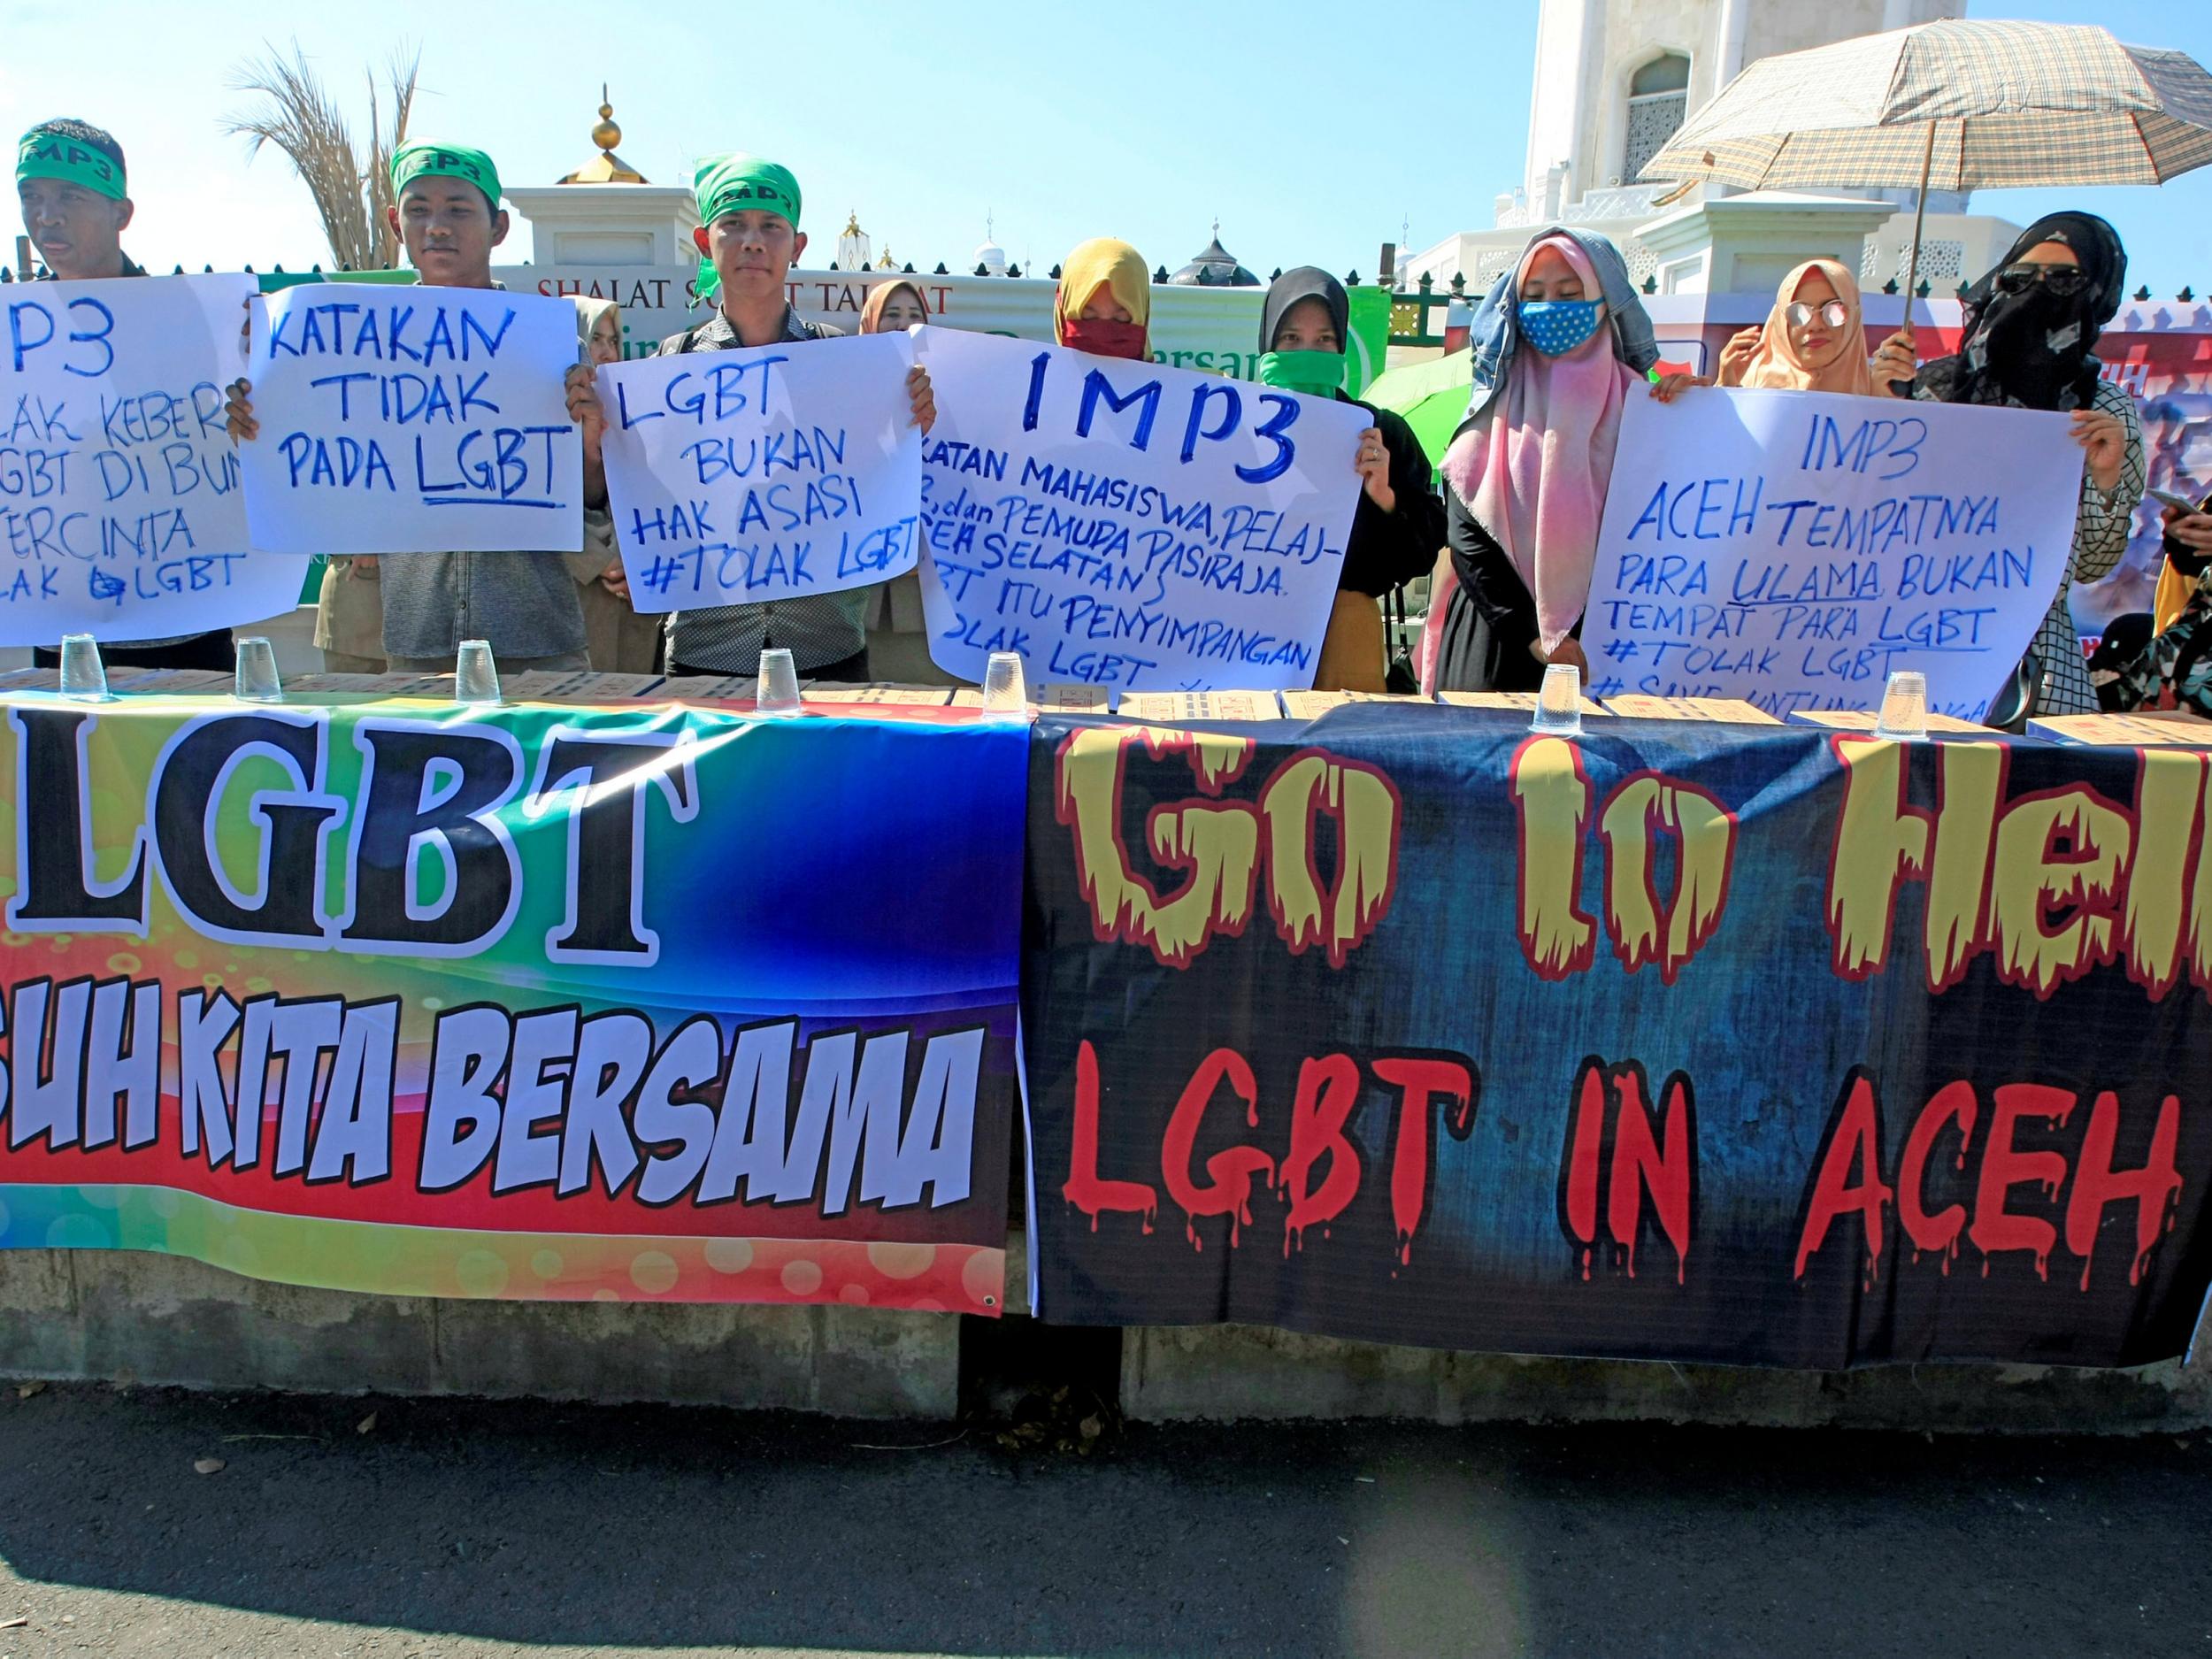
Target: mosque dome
x=1216 y=267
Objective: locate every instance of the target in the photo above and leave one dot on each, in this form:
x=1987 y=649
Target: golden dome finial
x=852 y=223
x=606 y=134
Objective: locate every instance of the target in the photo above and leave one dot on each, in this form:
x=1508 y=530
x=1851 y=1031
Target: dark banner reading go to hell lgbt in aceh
x=1771 y=1045
x=535 y=1002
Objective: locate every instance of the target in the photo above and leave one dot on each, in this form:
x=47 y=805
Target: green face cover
x=51 y=156
x=425 y=158
x=1316 y=373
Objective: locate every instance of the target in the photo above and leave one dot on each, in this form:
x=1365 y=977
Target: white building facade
x=1614 y=78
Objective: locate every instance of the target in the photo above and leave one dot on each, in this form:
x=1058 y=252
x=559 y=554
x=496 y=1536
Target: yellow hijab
x=2173 y=595
x=1105 y=262
x=1776 y=365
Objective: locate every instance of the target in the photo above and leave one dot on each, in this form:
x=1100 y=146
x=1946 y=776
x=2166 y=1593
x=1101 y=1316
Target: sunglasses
x=2065 y=281
x=1835 y=313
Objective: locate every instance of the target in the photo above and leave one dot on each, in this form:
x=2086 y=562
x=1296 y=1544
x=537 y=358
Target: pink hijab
x=1533 y=468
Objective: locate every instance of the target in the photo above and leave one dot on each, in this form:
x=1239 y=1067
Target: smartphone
x=2167 y=498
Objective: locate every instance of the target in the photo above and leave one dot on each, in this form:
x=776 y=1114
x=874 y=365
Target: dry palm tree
x=304 y=121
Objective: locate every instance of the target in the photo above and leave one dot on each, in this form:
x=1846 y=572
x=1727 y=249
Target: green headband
x=420 y=158
x=51 y=156
x=732 y=183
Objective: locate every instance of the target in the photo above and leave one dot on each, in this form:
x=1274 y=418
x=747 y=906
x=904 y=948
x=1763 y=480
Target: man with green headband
x=749 y=235
x=70 y=180
x=446 y=211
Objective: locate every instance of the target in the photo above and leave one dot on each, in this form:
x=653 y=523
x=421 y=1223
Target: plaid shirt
x=817 y=630
x=2100 y=536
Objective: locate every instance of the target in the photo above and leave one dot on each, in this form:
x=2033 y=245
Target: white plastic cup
x=776 y=694
x=1005 y=694
x=258 y=681
x=475 y=675
x=1559 y=702
x=1904 y=713
x=84 y=675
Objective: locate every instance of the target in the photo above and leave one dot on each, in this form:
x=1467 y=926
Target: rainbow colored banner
x=643 y=1002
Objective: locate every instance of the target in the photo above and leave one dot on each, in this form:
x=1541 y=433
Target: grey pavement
x=464 y=1529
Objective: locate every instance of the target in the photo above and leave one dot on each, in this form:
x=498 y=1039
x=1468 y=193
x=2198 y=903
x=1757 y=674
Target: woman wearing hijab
x=618 y=640
x=2178 y=657
x=1104 y=305
x=1398 y=527
x=893 y=306
x=1559 y=345
x=2027 y=330
x=1813 y=340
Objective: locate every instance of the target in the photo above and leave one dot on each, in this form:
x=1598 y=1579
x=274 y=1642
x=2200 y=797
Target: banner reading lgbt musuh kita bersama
x=1768 y=1045
x=527 y=1001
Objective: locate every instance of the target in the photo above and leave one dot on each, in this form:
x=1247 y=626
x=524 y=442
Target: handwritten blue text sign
x=1794 y=548
x=768 y=472
x=1125 y=523
x=412 y=420
x=120 y=514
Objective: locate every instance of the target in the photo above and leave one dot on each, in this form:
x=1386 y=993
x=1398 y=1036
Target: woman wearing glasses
x=1814 y=340
x=2028 y=330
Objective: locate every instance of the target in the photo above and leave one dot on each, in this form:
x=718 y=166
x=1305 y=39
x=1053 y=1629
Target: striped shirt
x=817 y=630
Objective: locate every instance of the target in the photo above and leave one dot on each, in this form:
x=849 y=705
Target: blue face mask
x=1556 y=327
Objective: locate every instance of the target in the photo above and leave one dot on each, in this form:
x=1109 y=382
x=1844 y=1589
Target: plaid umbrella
x=1954 y=106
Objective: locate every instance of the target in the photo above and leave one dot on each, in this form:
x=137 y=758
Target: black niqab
x=2034 y=349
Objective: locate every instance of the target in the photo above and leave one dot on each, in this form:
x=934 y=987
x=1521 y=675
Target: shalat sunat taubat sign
x=1763 y=1045
x=524 y=1002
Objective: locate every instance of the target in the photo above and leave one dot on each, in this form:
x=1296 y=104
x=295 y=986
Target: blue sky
x=1313 y=136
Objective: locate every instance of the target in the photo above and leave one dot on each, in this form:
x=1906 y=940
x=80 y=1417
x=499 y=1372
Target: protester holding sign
x=1399 y=524
x=748 y=231
x=1813 y=340
x=619 y=640
x=2027 y=333
x=1526 y=475
x=74 y=191
x=1104 y=305
x=523 y=604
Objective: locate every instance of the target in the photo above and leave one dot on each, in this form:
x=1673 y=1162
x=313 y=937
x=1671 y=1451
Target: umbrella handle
x=1912 y=269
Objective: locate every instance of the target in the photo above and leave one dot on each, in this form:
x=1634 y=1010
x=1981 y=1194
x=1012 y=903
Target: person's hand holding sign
x=921 y=398
x=1373 y=463
x=582 y=384
x=2104 y=440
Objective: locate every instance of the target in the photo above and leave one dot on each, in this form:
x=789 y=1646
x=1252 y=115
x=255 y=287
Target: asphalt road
x=468 y=1529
